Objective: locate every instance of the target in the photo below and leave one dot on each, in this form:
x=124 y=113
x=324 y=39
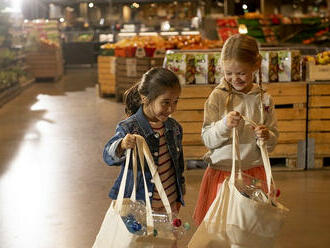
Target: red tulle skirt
x=211 y=182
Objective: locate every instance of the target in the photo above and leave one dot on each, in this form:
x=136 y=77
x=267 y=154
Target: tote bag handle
x=143 y=146
x=265 y=159
x=144 y=152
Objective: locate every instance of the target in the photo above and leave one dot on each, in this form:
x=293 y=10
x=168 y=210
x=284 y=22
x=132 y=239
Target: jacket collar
x=145 y=125
x=143 y=122
x=225 y=87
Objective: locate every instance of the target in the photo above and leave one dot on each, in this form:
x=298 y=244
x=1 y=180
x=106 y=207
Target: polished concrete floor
x=54 y=184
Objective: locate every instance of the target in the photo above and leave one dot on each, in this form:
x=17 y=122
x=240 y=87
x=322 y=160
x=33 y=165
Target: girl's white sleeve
x=214 y=131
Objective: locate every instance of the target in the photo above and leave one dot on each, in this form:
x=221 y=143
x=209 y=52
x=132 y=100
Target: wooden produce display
x=130 y=71
x=43 y=46
x=106 y=71
x=190 y=114
x=319 y=122
x=290 y=104
x=46 y=63
x=317 y=72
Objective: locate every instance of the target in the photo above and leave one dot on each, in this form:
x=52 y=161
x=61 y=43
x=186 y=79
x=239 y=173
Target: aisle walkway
x=54 y=184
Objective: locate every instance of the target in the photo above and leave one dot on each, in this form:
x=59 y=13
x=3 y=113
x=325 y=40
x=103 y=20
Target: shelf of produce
x=319 y=123
x=9 y=93
x=290 y=104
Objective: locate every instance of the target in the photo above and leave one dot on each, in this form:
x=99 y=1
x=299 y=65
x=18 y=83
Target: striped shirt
x=165 y=170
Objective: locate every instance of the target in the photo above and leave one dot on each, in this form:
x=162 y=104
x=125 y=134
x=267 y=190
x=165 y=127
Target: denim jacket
x=138 y=124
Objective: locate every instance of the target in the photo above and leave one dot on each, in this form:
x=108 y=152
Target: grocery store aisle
x=53 y=181
x=54 y=184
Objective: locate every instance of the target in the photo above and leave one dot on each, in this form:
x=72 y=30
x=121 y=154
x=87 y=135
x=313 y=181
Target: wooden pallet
x=106 y=71
x=290 y=104
x=287 y=163
x=321 y=162
x=319 y=121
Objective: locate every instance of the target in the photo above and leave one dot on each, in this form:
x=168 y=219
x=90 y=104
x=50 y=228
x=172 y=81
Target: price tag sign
x=113 y=65
x=159 y=53
x=140 y=52
x=131 y=67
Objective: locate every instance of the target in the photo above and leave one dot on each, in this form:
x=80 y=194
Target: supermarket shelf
x=14 y=91
x=9 y=94
x=27 y=83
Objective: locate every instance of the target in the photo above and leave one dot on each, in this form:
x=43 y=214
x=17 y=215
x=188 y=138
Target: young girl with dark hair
x=148 y=106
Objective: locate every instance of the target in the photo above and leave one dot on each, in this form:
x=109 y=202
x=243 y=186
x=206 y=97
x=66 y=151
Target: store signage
x=106 y=38
x=159 y=53
x=131 y=67
x=140 y=52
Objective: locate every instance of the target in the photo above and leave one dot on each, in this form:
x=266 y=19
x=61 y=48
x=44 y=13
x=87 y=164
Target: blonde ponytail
x=262 y=116
x=229 y=97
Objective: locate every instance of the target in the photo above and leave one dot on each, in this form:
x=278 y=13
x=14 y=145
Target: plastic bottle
x=163 y=224
x=133 y=226
x=135 y=221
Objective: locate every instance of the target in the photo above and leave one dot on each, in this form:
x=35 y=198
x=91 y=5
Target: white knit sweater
x=217 y=136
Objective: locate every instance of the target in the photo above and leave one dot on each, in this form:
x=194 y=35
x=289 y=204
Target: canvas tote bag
x=235 y=221
x=113 y=232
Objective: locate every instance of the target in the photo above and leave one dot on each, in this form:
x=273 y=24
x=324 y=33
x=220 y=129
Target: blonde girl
x=237 y=96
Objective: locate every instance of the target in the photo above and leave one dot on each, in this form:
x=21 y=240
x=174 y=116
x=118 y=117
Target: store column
x=268 y=7
x=229 y=7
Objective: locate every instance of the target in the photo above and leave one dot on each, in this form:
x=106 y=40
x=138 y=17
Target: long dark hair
x=153 y=83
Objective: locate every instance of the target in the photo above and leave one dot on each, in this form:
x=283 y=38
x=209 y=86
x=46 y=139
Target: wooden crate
x=122 y=84
x=190 y=114
x=130 y=71
x=142 y=61
x=45 y=63
x=290 y=104
x=317 y=72
x=156 y=62
x=106 y=70
x=319 y=121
